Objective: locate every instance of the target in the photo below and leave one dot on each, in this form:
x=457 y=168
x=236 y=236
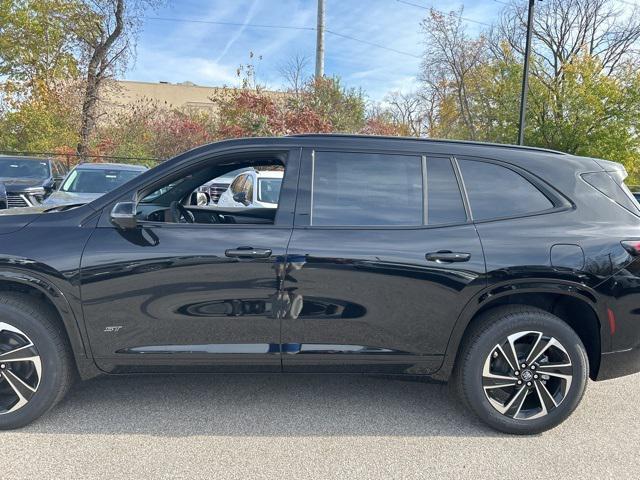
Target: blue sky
x=209 y=54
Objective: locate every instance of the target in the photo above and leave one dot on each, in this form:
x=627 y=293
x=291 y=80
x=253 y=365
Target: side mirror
x=50 y=185
x=241 y=197
x=123 y=215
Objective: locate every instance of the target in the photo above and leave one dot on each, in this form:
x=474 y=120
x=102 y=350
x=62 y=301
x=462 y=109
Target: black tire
x=35 y=319
x=487 y=332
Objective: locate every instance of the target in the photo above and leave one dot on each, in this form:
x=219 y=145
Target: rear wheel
x=35 y=362
x=522 y=370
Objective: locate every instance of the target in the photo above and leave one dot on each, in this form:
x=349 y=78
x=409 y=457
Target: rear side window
x=495 y=191
x=444 y=200
x=366 y=189
x=612 y=185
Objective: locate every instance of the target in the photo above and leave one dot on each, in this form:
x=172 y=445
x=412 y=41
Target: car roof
x=110 y=166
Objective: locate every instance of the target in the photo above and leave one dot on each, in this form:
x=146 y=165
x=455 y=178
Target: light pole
x=525 y=75
x=320 y=41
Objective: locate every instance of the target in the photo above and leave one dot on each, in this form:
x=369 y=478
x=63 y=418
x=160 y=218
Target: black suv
x=26 y=181
x=511 y=271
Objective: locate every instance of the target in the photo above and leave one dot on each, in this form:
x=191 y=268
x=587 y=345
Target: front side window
x=366 y=189
x=180 y=199
x=269 y=189
x=495 y=191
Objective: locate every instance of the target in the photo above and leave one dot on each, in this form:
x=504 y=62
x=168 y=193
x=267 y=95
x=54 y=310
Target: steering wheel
x=179 y=214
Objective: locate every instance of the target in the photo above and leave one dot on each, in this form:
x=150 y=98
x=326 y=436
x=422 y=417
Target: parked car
x=29 y=180
x=88 y=181
x=216 y=187
x=253 y=189
x=514 y=272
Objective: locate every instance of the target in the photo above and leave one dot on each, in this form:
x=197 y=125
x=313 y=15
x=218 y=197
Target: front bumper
x=619 y=364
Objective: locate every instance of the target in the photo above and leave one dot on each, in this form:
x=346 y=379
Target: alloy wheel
x=527 y=376
x=20 y=369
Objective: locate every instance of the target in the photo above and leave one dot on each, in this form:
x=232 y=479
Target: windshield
x=18 y=168
x=269 y=190
x=96 y=181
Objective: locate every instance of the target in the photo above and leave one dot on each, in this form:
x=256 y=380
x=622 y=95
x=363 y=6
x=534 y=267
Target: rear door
x=382 y=259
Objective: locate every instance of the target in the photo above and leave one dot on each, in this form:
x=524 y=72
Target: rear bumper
x=619 y=364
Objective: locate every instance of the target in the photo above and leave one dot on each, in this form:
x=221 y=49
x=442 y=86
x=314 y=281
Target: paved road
x=274 y=427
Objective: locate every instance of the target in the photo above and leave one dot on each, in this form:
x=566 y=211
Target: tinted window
x=496 y=191
x=612 y=185
x=366 y=189
x=269 y=189
x=444 y=200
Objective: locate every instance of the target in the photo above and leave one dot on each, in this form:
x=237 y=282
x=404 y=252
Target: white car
x=253 y=189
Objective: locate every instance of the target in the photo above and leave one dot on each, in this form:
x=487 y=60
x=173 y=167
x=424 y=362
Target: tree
x=408 y=111
x=106 y=30
x=36 y=45
x=450 y=60
x=46 y=121
x=295 y=73
x=322 y=105
x=583 y=95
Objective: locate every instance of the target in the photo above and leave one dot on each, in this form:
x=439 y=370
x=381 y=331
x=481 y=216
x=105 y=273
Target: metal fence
x=72 y=159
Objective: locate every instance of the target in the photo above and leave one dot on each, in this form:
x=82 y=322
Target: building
x=123 y=94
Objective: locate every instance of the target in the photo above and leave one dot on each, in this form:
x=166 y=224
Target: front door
x=195 y=296
x=381 y=261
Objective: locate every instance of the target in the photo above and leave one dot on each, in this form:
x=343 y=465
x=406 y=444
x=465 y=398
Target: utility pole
x=320 y=41
x=525 y=75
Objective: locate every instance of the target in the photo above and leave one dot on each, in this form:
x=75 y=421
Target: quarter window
x=495 y=191
x=359 y=189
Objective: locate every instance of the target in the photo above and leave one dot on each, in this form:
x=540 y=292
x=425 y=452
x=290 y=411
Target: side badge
x=113 y=329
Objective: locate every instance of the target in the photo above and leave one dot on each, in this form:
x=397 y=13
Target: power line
x=466 y=19
x=283 y=27
x=231 y=24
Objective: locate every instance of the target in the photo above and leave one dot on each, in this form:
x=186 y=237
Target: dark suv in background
x=511 y=271
x=28 y=180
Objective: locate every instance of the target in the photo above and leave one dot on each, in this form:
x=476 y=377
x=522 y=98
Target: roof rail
x=431 y=140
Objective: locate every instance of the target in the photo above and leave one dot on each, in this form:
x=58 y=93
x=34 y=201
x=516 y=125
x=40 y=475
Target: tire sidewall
x=497 y=333
x=47 y=391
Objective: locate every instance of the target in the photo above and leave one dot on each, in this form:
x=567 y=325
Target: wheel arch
x=574 y=303
x=56 y=301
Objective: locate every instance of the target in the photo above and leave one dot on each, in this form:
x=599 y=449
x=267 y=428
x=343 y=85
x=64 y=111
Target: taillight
x=632 y=246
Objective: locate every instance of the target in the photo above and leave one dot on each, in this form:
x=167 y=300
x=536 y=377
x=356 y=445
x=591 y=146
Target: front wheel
x=35 y=361
x=522 y=370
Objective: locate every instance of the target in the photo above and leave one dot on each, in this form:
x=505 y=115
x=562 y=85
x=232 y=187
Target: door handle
x=248 y=252
x=446 y=256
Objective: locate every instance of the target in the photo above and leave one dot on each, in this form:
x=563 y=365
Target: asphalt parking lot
x=248 y=426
